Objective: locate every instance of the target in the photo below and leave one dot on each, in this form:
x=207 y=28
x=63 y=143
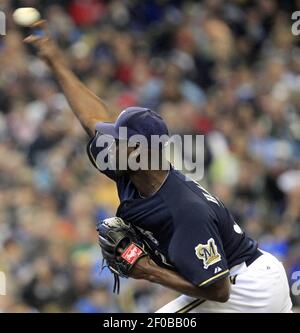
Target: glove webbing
x=116 y=288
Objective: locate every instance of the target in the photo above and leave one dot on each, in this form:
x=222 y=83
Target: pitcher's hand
x=44 y=43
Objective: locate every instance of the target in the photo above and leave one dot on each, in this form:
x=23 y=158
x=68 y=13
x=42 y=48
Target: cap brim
x=107 y=129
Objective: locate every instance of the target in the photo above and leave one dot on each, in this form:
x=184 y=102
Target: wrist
x=144 y=269
x=56 y=64
x=154 y=271
x=55 y=58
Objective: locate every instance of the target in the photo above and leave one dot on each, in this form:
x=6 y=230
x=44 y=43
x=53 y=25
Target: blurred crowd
x=227 y=69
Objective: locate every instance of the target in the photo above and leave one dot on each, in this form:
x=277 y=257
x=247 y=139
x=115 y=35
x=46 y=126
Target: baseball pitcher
x=168 y=229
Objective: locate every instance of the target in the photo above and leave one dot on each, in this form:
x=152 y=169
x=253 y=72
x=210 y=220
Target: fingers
x=43 y=32
x=32 y=39
x=42 y=24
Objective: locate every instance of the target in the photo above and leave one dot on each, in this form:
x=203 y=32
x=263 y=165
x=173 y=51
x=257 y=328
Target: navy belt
x=256 y=255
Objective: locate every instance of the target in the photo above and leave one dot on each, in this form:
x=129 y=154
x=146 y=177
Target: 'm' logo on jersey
x=208 y=253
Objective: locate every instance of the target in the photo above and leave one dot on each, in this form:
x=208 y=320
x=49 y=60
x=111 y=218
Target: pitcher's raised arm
x=88 y=108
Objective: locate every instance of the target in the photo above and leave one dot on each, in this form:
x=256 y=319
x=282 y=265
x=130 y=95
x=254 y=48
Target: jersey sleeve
x=196 y=248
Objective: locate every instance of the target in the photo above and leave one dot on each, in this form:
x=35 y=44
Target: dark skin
x=90 y=109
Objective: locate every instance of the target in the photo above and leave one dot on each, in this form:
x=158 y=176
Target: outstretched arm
x=88 y=108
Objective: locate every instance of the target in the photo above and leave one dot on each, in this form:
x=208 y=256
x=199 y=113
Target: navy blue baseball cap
x=136 y=120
